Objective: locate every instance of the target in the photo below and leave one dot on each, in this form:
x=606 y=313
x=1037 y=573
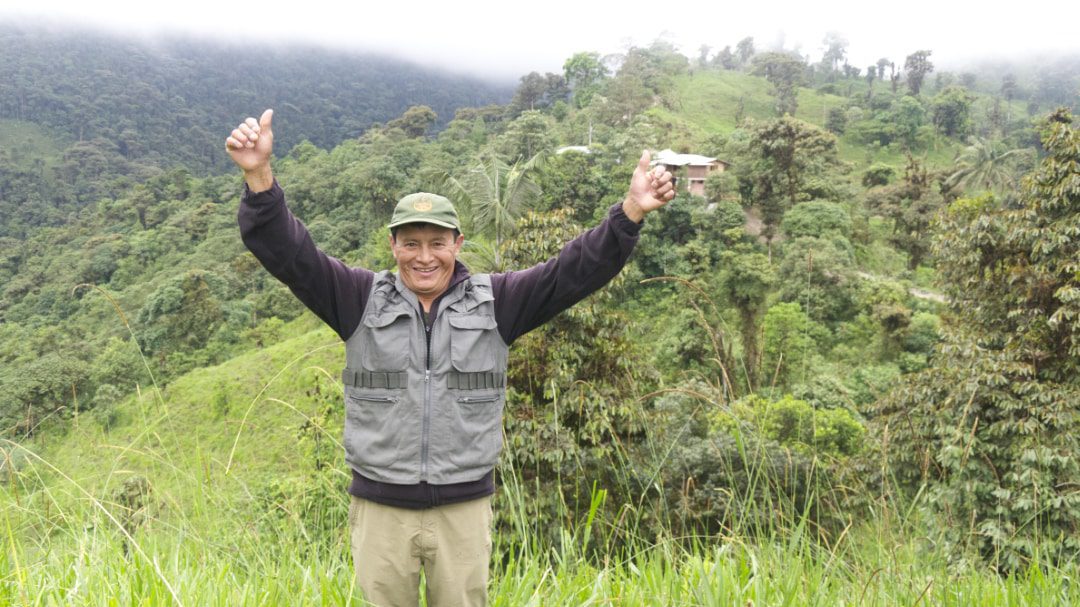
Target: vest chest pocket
x=389 y=341
x=472 y=345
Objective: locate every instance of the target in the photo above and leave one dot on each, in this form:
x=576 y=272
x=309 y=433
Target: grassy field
x=25 y=142
x=205 y=494
x=708 y=102
x=222 y=554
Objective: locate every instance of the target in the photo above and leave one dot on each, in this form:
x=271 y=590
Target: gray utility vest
x=423 y=406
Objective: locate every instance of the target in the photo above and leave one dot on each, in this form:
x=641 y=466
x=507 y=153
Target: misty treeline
x=845 y=317
x=118 y=112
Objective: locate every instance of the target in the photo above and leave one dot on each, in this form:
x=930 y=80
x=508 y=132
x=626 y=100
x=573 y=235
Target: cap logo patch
x=423 y=205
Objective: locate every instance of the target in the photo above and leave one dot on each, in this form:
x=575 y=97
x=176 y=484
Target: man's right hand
x=250 y=145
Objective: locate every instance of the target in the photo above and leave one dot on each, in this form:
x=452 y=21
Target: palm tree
x=985 y=165
x=491 y=196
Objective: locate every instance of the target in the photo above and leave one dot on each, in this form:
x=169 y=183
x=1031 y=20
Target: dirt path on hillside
x=914 y=291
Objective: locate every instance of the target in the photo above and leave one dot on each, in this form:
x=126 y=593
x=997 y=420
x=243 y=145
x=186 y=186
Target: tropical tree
x=491 y=196
x=835 y=50
x=415 y=122
x=878 y=174
x=724 y=58
x=785 y=73
x=819 y=218
x=583 y=73
x=992 y=429
x=1008 y=90
x=881 y=65
x=788 y=344
x=836 y=120
x=952 y=111
x=586 y=357
x=911 y=204
x=820 y=275
x=529 y=92
x=527 y=135
x=703 y=55
x=907 y=116
x=538 y=91
x=917 y=66
x=985 y=165
x=744 y=50
x=35 y=390
x=745 y=283
x=576 y=181
x=782 y=155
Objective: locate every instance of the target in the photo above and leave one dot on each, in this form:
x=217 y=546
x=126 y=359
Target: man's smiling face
x=425 y=256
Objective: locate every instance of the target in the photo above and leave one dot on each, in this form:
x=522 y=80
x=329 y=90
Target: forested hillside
x=848 y=372
x=85 y=116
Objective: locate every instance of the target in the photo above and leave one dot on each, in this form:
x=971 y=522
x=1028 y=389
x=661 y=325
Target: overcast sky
x=504 y=40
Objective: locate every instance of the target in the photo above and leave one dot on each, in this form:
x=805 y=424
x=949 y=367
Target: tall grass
x=75 y=556
x=205 y=531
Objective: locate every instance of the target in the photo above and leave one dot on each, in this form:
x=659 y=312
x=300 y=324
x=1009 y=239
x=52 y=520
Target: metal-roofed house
x=697 y=168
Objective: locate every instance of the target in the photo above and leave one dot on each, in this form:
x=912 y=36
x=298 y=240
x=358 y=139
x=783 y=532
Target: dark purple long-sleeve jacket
x=337 y=294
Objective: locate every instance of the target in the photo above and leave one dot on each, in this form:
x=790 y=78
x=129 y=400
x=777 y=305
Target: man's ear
x=459 y=242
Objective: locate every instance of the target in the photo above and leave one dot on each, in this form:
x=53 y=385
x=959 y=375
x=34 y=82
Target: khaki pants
x=452 y=544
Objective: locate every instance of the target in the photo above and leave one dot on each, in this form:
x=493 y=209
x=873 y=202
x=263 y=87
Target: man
x=426 y=353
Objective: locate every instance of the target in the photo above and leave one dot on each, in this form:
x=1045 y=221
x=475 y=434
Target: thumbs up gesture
x=250 y=145
x=649 y=189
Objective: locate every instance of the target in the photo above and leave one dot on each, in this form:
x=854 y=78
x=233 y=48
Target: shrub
x=817 y=218
x=105 y=411
x=878 y=174
x=793 y=423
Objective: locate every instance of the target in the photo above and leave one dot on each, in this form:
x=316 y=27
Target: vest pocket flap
x=471 y=321
x=473 y=341
x=383 y=319
x=472 y=299
x=384 y=341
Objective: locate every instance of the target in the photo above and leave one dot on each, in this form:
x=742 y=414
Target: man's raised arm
x=527 y=299
x=280 y=241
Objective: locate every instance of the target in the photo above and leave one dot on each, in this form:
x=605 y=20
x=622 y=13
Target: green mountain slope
x=233 y=451
x=134 y=94
x=709 y=102
x=227 y=430
x=111 y=111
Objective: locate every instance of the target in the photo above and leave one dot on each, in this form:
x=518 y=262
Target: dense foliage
x=737 y=379
x=992 y=425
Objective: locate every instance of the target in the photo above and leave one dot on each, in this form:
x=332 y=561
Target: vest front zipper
x=426 y=428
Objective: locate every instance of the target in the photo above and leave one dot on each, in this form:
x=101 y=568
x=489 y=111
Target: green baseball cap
x=422 y=207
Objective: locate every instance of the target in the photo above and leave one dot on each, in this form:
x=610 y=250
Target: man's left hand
x=649 y=190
